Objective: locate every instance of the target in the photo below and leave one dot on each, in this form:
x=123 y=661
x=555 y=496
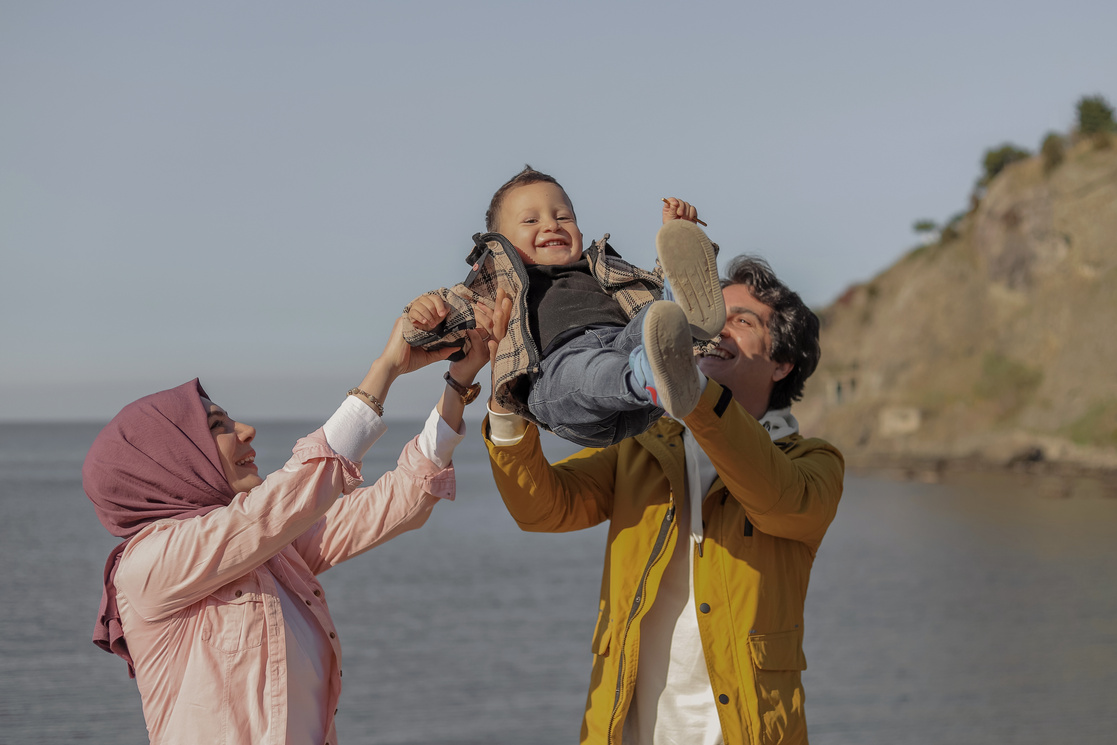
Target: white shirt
x=674 y=701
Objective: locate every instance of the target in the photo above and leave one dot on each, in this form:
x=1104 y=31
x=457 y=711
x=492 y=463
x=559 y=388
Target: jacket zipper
x=641 y=588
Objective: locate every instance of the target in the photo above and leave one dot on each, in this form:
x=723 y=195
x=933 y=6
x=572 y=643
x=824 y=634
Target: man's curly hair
x=793 y=326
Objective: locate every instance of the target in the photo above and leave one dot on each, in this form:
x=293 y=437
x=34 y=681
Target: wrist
x=467 y=392
x=383 y=371
x=462 y=374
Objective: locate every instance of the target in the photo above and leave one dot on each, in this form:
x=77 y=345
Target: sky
x=249 y=192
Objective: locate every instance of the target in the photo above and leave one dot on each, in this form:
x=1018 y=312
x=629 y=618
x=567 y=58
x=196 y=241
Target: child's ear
x=783 y=369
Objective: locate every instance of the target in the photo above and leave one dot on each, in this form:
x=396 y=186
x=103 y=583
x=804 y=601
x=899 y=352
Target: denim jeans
x=586 y=392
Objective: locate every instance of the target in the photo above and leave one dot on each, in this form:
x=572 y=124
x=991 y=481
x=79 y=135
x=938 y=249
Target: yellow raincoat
x=765 y=516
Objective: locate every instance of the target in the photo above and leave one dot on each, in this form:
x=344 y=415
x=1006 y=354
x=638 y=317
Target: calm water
x=977 y=613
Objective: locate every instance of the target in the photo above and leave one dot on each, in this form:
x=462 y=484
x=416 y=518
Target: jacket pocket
x=777 y=663
x=603 y=632
x=233 y=616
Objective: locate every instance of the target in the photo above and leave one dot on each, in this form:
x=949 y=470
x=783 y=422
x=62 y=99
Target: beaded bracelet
x=372 y=400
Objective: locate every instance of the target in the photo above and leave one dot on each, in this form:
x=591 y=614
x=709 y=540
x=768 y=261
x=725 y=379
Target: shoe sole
x=670 y=352
x=691 y=266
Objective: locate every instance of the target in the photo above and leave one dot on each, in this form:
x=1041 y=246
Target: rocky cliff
x=997 y=343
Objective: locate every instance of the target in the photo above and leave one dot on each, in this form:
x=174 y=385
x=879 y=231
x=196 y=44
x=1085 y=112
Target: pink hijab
x=156 y=459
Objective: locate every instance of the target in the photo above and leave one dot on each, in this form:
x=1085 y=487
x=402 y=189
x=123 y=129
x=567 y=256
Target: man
x=700 y=632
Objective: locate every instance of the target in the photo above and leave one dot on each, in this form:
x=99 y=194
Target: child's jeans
x=586 y=392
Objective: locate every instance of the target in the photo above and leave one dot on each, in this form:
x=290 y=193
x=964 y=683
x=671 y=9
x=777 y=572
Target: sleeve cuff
x=353 y=428
x=437 y=440
x=506 y=429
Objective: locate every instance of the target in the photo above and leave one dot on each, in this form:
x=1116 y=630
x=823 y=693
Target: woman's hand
x=483 y=342
x=398 y=358
x=494 y=321
x=466 y=369
x=402 y=358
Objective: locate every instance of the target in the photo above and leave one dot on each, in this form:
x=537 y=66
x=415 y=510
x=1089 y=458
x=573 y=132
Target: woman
x=212 y=597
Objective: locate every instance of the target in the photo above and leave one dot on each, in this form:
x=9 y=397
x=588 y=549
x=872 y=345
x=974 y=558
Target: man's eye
x=217 y=424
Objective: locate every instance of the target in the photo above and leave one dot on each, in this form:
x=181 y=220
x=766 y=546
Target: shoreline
x=1060 y=479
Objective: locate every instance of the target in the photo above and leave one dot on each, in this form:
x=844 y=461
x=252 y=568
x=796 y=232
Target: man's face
x=742 y=360
x=540 y=223
x=234 y=447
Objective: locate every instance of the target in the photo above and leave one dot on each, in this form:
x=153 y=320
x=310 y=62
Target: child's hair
x=527 y=176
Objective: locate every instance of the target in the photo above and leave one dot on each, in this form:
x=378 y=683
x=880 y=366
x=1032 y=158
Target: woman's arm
x=403 y=498
x=173 y=563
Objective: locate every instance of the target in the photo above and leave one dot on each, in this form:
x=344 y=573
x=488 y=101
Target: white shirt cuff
x=437 y=440
x=353 y=428
x=506 y=428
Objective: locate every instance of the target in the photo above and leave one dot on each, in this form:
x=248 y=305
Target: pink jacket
x=198 y=599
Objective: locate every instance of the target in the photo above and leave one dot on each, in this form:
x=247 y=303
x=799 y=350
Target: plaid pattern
x=497 y=265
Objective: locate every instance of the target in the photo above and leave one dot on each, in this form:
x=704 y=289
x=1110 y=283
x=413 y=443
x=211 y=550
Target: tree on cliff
x=1095 y=116
x=996 y=159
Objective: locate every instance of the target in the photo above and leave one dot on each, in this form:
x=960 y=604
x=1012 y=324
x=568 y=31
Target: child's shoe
x=690 y=271
x=665 y=365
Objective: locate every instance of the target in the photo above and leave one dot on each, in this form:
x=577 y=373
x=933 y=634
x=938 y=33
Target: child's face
x=539 y=221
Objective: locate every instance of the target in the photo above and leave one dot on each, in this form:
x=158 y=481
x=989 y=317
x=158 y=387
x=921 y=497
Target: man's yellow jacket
x=765 y=516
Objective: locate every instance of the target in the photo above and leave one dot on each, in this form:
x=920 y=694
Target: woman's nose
x=245 y=432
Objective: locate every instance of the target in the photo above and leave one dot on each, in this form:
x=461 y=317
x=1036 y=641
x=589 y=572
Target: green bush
x=1095 y=116
x=1052 y=151
x=996 y=159
x=924 y=226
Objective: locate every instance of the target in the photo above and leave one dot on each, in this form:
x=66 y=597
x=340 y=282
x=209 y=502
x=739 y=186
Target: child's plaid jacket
x=496 y=264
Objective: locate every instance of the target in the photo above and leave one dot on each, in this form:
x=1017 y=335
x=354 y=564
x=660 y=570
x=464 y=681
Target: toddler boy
x=591 y=351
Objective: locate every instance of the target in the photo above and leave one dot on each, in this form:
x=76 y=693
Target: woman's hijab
x=155 y=460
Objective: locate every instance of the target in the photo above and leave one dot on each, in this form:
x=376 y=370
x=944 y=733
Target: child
x=591 y=352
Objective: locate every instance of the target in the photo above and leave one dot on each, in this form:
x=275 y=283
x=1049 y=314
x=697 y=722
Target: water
x=982 y=612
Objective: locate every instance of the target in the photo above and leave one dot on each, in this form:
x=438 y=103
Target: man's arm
x=790 y=494
x=574 y=494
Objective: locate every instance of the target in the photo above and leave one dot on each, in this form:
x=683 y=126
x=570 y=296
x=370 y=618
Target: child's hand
x=677 y=209
x=427 y=311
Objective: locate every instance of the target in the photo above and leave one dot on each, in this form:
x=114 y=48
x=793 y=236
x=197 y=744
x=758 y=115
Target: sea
x=982 y=610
